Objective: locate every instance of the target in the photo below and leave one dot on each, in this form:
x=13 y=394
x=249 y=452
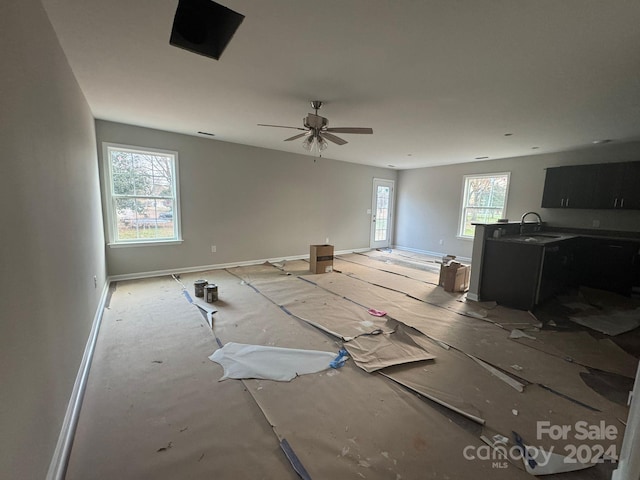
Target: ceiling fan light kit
x=312 y=141
x=317 y=132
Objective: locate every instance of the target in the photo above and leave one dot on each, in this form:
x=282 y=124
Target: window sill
x=469 y=239
x=144 y=244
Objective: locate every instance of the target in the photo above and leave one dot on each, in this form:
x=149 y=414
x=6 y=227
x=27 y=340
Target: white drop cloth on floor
x=240 y=360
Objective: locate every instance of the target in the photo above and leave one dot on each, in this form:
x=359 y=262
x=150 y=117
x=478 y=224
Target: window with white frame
x=484 y=200
x=141 y=186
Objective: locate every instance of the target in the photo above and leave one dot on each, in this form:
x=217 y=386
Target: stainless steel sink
x=543 y=235
x=537 y=237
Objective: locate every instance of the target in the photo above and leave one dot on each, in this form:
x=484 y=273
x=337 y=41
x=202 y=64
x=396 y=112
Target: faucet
x=523 y=217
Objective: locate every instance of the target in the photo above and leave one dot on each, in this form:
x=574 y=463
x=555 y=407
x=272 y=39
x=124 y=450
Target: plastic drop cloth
x=240 y=360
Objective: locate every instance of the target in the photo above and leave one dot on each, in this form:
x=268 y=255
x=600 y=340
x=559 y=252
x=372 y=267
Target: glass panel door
x=382 y=213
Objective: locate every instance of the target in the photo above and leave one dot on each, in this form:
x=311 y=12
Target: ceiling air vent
x=204 y=27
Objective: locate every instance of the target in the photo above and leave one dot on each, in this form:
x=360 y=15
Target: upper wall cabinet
x=570 y=187
x=597 y=186
x=618 y=186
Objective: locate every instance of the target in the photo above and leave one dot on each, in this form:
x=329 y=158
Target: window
x=382 y=213
x=484 y=200
x=142 y=195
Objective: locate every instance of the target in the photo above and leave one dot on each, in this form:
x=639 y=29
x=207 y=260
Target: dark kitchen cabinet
x=555 y=187
x=510 y=273
x=597 y=186
x=558 y=269
x=521 y=275
x=570 y=187
x=630 y=190
x=618 y=186
x=608 y=264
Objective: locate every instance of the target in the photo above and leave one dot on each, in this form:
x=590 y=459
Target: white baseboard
x=218 y=266
x=60 y=458
x=356 y=250
x=59 y=461
x=428 y=252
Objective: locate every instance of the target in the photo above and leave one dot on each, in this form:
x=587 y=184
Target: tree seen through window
x=484 y=200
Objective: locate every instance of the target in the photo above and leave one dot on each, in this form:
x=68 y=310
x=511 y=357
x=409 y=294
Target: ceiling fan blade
x=295 y=137
x=280 y=126
x=333 y=138
x=349 y=130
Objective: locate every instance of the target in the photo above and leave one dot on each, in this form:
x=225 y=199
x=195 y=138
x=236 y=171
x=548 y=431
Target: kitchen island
x=523 y=265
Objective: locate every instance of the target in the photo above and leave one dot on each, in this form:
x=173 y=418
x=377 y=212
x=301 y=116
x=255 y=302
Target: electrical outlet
x=368 y=211
x=441 y=242
x=95 y=282
x=213 y=249
x=326 y=240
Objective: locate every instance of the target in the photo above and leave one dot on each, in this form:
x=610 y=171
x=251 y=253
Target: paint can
x=211 y=293
x=199 y=287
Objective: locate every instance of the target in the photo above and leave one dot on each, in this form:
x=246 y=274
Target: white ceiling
x=439 y=81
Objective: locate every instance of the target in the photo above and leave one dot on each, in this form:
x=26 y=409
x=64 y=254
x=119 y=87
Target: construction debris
x=271 y=363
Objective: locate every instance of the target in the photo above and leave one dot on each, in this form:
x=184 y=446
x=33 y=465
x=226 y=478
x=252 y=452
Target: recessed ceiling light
x=409 y=154
x=534 y=148
x=481 y=158
x=207 y=133
x=508 y=134
x=606 y=140
x=392 y=166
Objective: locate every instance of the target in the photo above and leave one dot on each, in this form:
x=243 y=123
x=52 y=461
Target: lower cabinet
x=608 y=264
x=521 y=275
x=510 y=273
x=558 y=270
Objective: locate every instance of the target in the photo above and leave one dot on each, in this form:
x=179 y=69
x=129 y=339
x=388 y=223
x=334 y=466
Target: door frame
x=392 y=204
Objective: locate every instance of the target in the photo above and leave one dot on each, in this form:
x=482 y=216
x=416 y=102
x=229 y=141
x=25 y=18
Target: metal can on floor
x=199 y=287
x=211 y=293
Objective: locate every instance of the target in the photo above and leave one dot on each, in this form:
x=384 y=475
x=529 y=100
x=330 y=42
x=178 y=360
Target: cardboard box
x=454 y=277
x=321 y=258
x=447 y=259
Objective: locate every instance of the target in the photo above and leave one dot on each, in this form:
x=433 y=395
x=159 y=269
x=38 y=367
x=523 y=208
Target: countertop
x=513 y=227
x=535 y=238
x=548 y=237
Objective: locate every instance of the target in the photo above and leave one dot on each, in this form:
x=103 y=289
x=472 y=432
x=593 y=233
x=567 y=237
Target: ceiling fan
x=317 y=132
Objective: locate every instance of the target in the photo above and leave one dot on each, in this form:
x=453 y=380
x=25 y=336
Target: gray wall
x=251 y=203
x=429 y=199
x=52 y=242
